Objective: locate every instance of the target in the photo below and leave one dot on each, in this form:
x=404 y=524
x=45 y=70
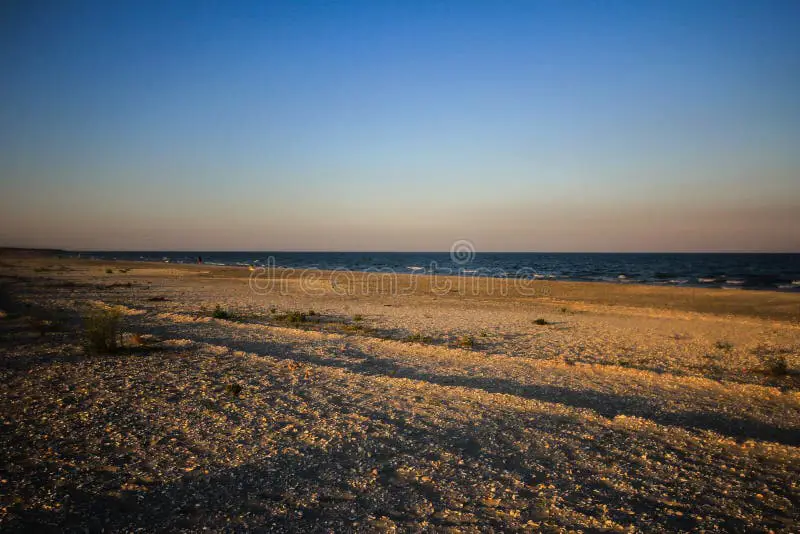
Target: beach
x=324 y=401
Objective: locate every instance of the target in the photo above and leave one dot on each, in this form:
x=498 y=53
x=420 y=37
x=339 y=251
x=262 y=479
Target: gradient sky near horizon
x=370 y=125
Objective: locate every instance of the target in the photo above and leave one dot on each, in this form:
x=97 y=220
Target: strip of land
x=316 y=401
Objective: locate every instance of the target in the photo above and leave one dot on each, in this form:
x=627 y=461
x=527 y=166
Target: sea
x=726 y=271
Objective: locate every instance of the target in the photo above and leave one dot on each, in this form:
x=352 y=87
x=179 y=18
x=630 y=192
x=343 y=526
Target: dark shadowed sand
x=399 y=404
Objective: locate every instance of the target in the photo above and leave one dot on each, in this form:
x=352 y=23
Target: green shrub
x=358 y=317
x=293 y=317
x=101 y=330
x=109 y=271
x=417 y=338
x=354 y=327
x=541 y=322
x=220 y=313
x=297 y=317
x=724 y=345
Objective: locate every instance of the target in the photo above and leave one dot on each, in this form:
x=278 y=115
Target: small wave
x=600 y=279
x=796 y=282
x=706 y=280
x=415 y=268
x=679 y=281
x=735 y=282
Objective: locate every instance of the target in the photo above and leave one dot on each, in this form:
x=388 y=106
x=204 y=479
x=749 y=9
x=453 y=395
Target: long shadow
x=309 y=489
x=271 y=495
x=605 y=404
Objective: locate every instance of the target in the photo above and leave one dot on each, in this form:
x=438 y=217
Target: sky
x=535 y=125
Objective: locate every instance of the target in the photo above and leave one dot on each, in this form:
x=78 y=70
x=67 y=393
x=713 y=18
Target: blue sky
x=530 y=125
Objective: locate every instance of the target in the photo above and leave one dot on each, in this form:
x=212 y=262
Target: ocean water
x=721 y=270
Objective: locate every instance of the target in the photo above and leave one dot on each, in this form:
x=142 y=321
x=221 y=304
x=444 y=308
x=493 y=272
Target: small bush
x=297 y=317
x=564 y=310
x=541 y=322
x=292 y=317
x=724 y=345
x=109 y=271
x=773 y=359
x=220 y=313
x=273 y=309
x=466 y=341
x=776 y=364
x=311 y=313
x=358 y=317
x=354 y=327
x=417 y=338
x=233 y=389
x=101 y=331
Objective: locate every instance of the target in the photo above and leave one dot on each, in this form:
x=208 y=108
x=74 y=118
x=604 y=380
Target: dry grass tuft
x=417 y=338
x=101 y=330
x=466 y=342
x=773 y=359
x=727 y=346
x=294 y=316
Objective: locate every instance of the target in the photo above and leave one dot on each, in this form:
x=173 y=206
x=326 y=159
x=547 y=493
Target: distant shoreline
x=730 y=271
x=777 y=305
x=773 y=272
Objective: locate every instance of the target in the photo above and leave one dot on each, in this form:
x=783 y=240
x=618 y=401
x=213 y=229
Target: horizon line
x=312 y=251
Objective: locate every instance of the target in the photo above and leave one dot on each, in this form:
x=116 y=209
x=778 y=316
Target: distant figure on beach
x=199 y=259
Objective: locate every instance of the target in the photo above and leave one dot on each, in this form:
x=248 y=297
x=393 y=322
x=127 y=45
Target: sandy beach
x=245 y=400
